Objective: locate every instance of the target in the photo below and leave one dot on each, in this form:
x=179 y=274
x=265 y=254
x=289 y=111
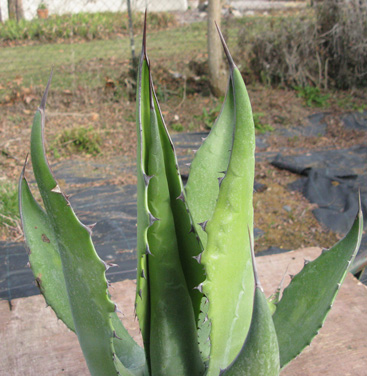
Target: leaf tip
x=44 y=98
x=24 y=167
x=226 y=49
x=144 y=49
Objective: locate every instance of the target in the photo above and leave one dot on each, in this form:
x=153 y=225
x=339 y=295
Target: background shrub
x=342 y=35
x=324 y=47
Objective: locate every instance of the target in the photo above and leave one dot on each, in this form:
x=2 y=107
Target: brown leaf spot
x=45 y=238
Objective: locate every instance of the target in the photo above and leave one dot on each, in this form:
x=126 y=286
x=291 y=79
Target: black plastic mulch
x=332 y=179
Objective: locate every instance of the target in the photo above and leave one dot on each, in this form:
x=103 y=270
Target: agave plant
x=199 y=302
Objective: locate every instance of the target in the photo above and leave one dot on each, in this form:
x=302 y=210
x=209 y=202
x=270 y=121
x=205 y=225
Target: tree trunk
x=19 y=10
x=217 y=72
x=12 y=9
x=15 y=9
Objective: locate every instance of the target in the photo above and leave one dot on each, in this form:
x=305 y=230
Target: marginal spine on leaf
x=109 y=265
x=115 y=335
x=117 y=309
x=146 y=179
x=181 y=197
x=275 y=297
x=203 y=225
x=57 y=189
x=152 y=218
x=199 y=287
x=198 y=257
x=147 y=250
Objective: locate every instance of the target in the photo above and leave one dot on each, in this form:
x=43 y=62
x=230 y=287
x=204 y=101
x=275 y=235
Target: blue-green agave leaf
x=307 y=300
x=83 y=271
x=209 y=166
x=259 y=355
x=164 y=302
x=229 y=283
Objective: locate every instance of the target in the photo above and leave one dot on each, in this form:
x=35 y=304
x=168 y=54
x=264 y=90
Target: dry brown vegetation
x=324 y=46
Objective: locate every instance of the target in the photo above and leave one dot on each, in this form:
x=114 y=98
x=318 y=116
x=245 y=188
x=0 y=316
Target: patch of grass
x=261 y=127
x=80 y=139
x=88 y=64
x=208 y=117
x=85 y=26
x=349 y=102
x=178 y=127
x=312 y=96
x=9 y=214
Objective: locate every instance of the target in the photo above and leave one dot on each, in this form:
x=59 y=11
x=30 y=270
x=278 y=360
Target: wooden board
x=34 y=342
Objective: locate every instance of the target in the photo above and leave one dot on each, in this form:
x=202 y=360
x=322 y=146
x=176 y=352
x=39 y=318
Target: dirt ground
x=284 y=216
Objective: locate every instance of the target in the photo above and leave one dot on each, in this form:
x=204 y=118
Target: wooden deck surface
x=34 y=342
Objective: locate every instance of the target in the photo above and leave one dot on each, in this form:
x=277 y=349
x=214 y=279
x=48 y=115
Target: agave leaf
x=309 y=297
x=227 y=257
x=202 y=189
x=44 y=258
x=168 y=323
x=259 y=355
x=84 y=278
x=189 y=246
x=46 y=265
x=172 y=316
x=142 y=303
x=209 y=164
x=204 y=331
x=274 y=298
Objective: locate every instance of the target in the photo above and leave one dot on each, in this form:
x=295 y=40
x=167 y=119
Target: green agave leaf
x=142 y=302
x=229 y=285
x=309 y=297
x=46 y=265
x=274 y=298
x=204 y=331
x=83 y=271
x=209 y=165
x=172 y=316
x=259 y=355
x=44 y=258
x=189 y=247
x=163 y=298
